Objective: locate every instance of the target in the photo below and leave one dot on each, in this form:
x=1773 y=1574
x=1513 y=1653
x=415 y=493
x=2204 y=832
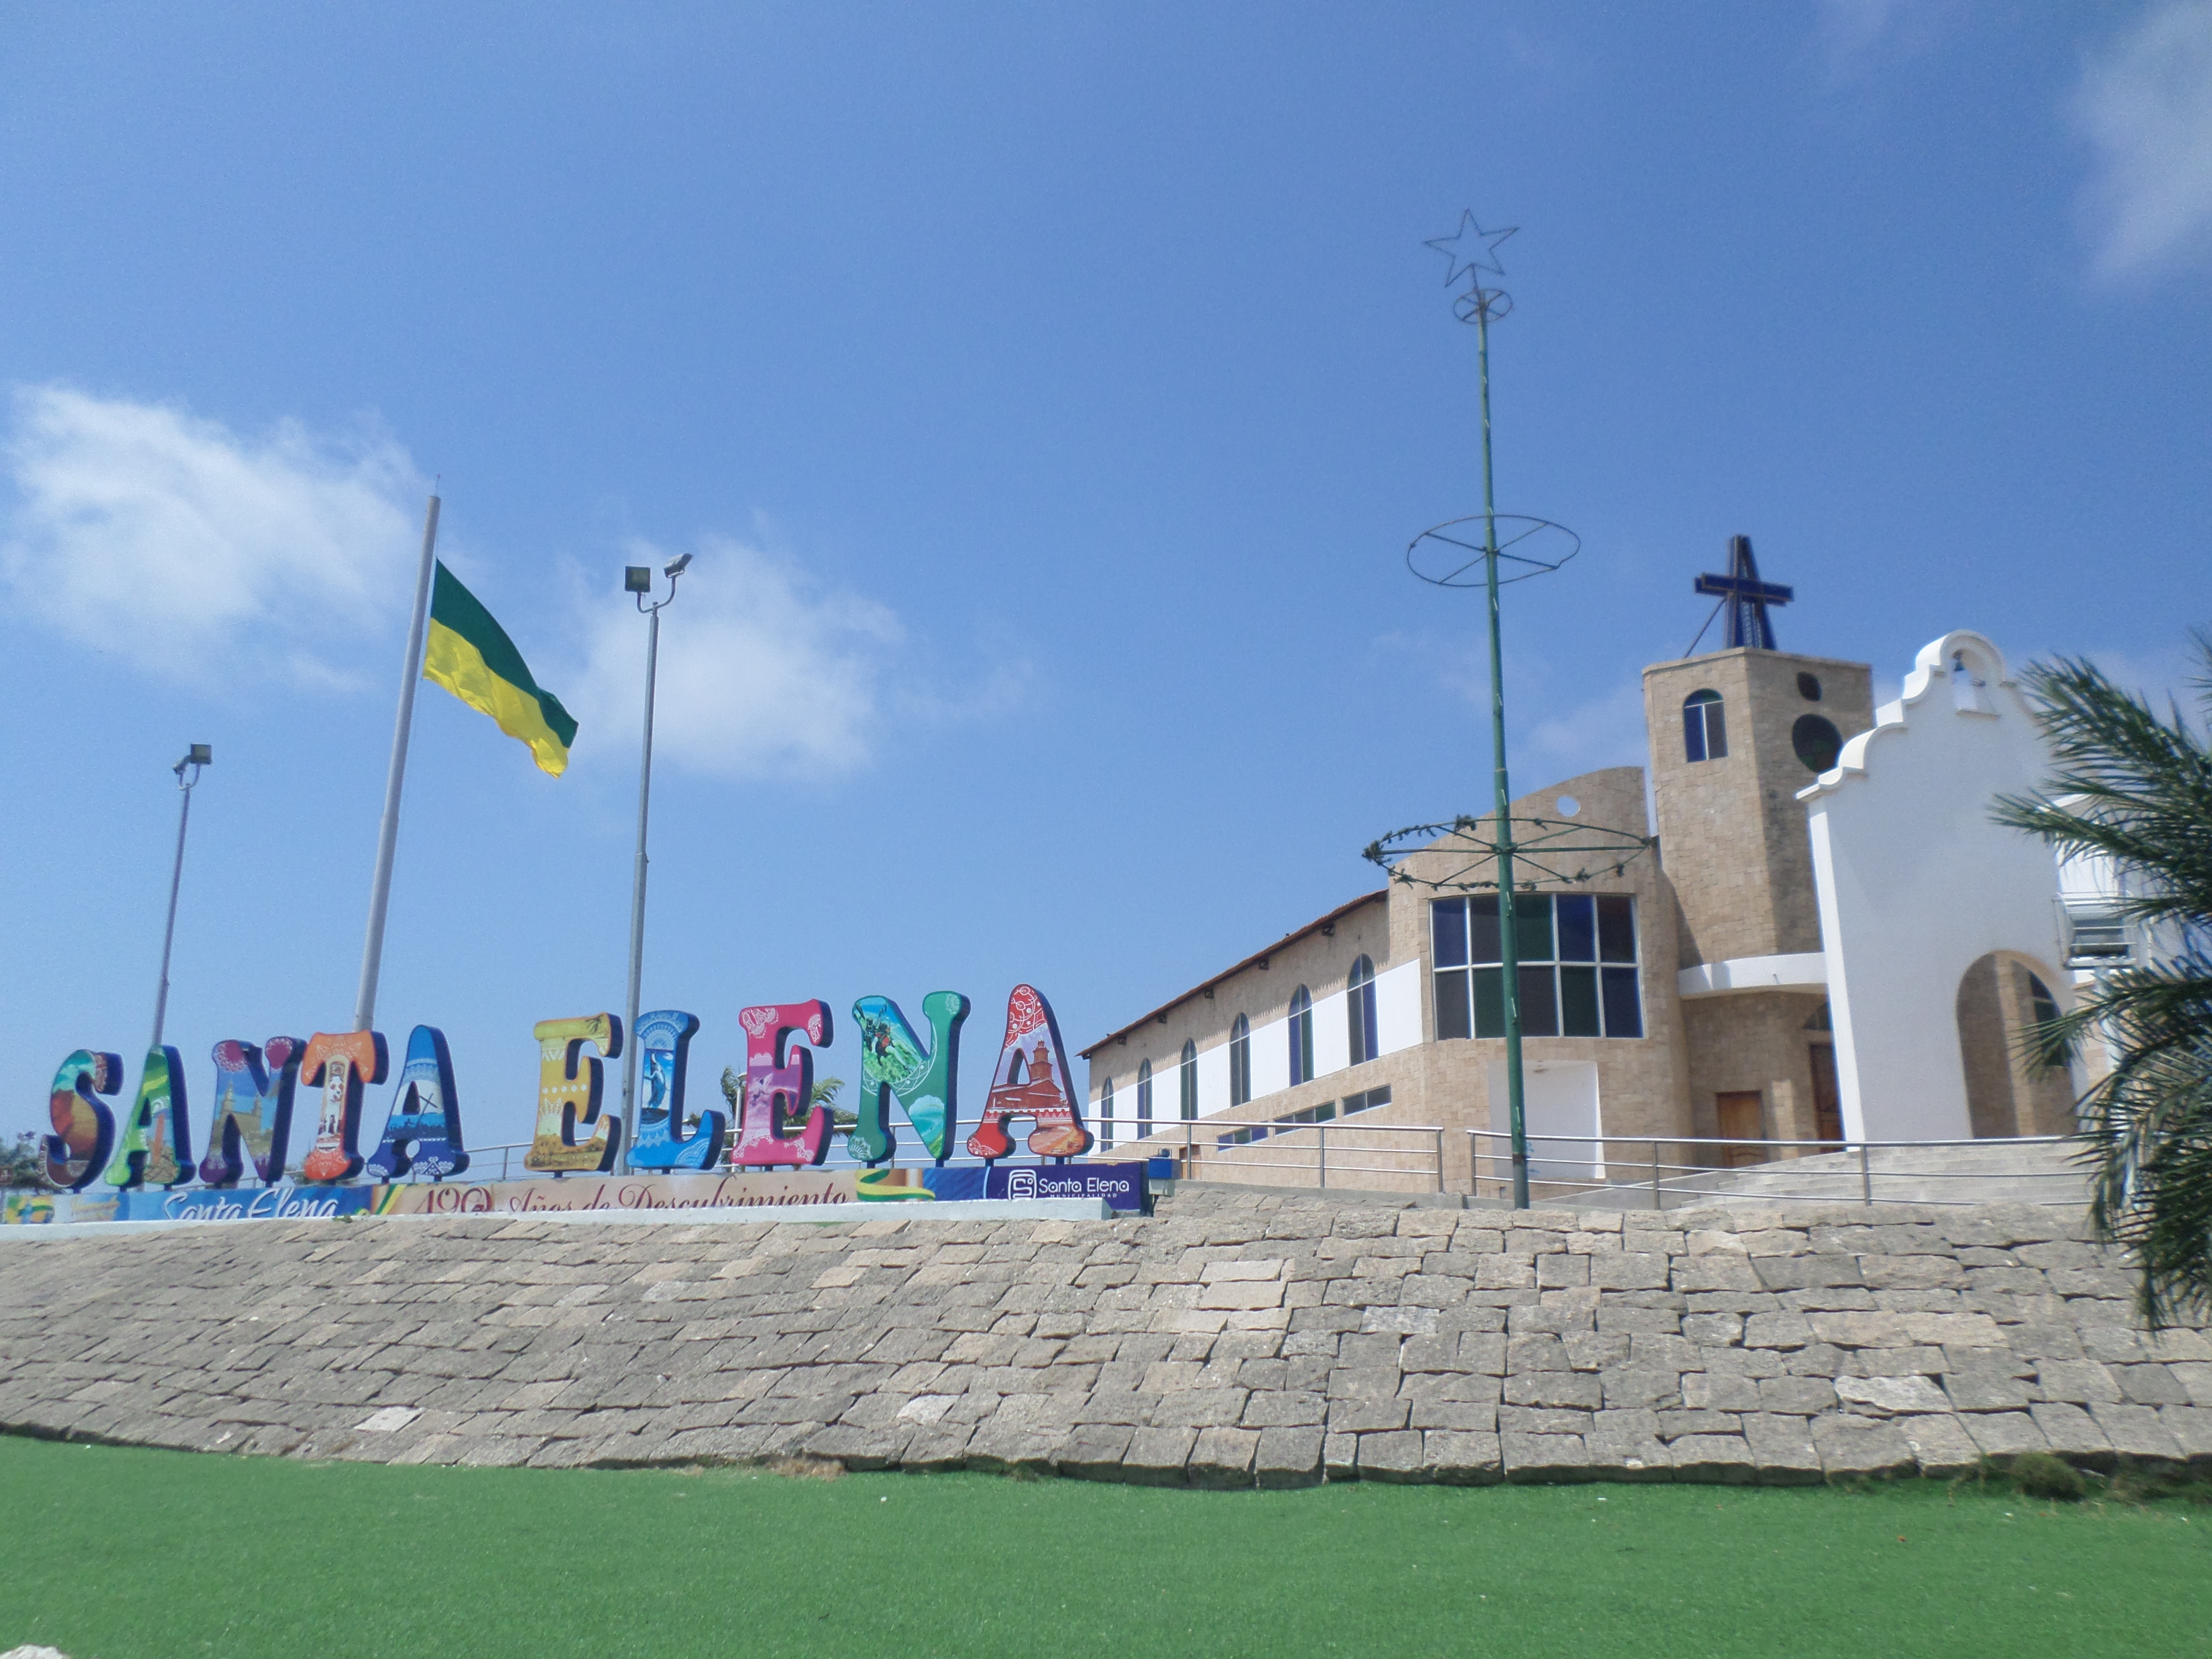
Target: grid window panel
x=1624 y=1009
x=1578 y=1012
x=1452 y=1011
x=1616 y=927
x=1447 y=921
x=1577 y=915
x=1490 y=1002
x=1576 y=959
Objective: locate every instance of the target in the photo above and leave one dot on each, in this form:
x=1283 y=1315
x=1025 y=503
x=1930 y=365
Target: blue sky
x=1048 y=395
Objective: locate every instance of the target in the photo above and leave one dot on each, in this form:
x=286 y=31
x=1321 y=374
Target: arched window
x=1359 y=1012
x=1106 y=1115
x=1144 y=1099
x=1300 y=1027
x=1240 y=1061
x=2049 y=1051
x=1705 y=729
x=1187 y=1084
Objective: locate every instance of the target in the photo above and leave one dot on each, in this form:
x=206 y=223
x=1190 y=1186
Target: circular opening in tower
x=1816 y=741
x=1808 y=688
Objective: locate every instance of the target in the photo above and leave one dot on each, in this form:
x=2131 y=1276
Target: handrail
x=1755 y=1180
x=1310 y=1161
x=1188 y=1140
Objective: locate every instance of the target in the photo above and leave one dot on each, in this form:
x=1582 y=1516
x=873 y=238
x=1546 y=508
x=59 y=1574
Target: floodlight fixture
x=637 y=579
x=188 y=774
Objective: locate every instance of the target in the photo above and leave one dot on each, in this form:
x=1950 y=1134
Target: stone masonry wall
x=1231 y=1340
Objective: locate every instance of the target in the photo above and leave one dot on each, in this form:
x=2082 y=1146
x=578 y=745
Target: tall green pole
x=1509 y=945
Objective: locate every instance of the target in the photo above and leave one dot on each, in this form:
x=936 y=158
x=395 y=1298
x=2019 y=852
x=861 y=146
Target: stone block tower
x=1734 y=734
x=1725 y=773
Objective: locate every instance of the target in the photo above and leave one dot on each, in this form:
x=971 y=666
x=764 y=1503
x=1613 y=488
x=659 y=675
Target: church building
x=1822 y=939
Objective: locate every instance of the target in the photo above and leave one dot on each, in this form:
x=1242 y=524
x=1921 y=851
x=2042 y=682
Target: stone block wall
x=1232 y=1340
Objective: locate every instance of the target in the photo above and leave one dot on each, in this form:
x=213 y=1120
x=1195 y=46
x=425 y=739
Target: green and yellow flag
x=471 y=657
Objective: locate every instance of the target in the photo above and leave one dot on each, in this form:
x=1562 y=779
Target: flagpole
x=388 y=834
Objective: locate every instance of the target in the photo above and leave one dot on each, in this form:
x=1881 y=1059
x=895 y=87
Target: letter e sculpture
x=777 y=1089
x=569 y=1085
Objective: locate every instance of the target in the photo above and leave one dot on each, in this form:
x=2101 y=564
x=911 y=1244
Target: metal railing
x=485 y=1163
x=1671 y=1171
x=1340 y=1152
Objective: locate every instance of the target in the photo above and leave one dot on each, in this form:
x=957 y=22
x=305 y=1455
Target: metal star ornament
x=1471 y=250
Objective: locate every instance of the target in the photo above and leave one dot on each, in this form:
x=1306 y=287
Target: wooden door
x=1742 y=1117
x=1828 y=1098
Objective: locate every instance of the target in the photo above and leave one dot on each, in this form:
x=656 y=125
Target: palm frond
x=2137 y=789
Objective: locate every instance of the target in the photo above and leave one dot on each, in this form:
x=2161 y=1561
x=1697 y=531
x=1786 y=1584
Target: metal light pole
x=1469 y=855
x=1509 y=943
x=1533 y=547
x=638 y=579
x=198 y=756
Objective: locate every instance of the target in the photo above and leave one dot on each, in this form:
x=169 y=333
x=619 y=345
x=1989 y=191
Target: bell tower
x=1734 y=734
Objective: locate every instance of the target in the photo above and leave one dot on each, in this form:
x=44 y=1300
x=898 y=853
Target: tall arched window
x=1144 y=1099
x=1300 y=1027
x=1359 y=1012
x=1240 y=1061
x=1187 y=1084
x=1704 y=728
x=1106 y=1115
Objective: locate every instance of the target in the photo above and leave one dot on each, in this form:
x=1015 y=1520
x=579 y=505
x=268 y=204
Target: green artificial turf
x=110 y=1553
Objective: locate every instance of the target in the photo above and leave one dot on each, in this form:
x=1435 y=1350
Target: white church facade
x=1826 y=939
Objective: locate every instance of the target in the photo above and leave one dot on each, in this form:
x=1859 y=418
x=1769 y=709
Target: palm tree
x=825 y=1093
x=2138 y=789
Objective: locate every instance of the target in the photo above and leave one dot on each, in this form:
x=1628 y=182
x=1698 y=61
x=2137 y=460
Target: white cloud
x=760 y=668
x=1571 y=738
x=148 y=534
x=1605 y=730
x=2146 y=104
x=2164 y=676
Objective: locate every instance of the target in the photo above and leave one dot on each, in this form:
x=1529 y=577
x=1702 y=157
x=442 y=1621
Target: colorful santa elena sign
x=141 y=1167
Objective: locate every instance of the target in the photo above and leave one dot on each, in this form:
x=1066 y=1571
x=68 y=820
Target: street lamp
x=638 y=579
x=188 y=774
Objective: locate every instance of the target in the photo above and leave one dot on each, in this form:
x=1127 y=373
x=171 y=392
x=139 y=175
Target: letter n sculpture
x=894 y=1063
x=252 y=1113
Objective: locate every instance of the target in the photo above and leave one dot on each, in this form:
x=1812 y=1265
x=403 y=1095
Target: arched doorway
x=2004 y=1000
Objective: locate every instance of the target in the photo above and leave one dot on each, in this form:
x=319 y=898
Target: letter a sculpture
x=1030 y=1080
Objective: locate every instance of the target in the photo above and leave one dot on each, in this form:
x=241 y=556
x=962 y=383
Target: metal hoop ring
x=1436 y=554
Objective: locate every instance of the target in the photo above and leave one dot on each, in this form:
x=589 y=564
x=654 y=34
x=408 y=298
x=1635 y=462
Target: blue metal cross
x=1746 y=597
